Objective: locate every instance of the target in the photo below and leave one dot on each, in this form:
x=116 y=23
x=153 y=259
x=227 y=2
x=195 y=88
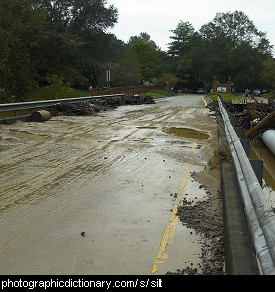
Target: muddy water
x=258 y=150
x=110 y=175
x=187 y=133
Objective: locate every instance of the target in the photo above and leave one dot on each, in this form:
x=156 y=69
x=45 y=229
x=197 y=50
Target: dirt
x=205 y=217
x=87 y=108
x=110 y=176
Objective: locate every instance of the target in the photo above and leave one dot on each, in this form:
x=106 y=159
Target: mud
x=205 y=218
x=187 y=133
x=110 y=176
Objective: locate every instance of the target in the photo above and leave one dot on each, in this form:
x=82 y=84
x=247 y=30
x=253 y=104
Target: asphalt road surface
x=183 y=100
x=99 y=195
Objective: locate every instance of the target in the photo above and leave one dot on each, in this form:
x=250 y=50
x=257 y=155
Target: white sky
x=158 y=17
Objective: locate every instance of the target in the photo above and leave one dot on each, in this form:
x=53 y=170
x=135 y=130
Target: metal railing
x=259 y=213
x=7 y=107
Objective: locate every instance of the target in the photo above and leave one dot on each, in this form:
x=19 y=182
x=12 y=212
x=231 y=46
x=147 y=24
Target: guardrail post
x=246 y=145
x=257 y=166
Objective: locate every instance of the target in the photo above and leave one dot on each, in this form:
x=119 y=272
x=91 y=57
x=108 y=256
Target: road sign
x=239 y=101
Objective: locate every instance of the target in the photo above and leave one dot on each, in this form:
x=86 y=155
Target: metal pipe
x=268 y=138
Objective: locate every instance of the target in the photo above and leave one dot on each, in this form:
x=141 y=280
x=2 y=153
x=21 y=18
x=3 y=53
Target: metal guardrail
x=259 y=213
x=7 y=107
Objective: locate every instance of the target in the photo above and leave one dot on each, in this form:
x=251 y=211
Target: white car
x=200 y=91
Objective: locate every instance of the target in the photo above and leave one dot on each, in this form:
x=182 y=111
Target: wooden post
x=262 y=125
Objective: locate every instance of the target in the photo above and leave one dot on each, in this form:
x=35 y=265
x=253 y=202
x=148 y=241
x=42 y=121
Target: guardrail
x=7 y=107
x=259 y=213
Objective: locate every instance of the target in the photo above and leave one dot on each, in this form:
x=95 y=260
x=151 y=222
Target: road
x=118 y=176
x=183 y=100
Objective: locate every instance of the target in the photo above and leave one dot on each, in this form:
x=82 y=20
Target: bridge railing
x=259 y=213
x=7 y=107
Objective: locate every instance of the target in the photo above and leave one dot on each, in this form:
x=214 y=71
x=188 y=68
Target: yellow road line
x=170 y=230
x=205 y=103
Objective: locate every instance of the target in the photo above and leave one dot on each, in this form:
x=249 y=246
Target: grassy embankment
x=159 y=93
x=230 y=96
x=224 y=95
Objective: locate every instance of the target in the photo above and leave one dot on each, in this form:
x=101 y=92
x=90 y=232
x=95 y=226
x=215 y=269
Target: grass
x=230 y=96
x=44 y=94
x=224 y=95
x=80 y=93
x=159 y=93
x=268 y=95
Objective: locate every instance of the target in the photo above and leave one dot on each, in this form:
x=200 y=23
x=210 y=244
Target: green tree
x=21 y=23
x=77 y=38
x=182 y=39
x=147 y=58
x=144 y=38
x=229 y=45
x=79 y=16
x=268 y=73
x=236 y=47
x=125 y=72
x=236 y=28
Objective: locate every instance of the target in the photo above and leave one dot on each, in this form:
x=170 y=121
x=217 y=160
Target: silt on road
x=118 y=176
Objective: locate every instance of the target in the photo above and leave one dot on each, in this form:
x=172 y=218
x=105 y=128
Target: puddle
x=259 y=151
x=146 y=127
x=187 y=133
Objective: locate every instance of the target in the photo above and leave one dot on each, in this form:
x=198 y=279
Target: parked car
x=257 y=92
x=200 y=91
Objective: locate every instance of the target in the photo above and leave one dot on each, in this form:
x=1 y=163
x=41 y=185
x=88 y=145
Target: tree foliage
x=146 y=56
x=143 y=37
x=228 y=46
x=18 y=38
x=182 y=38
x=42 y=38
x=68 y=40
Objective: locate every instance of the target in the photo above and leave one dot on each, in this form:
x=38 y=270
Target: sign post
x=108 y=78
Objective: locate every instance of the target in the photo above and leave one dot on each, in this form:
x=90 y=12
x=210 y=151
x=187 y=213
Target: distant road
x=182 y=100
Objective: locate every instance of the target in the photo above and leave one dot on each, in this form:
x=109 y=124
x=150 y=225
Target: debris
x=252 y=118
x=85 y=108
x=74 y=109
x=218 y=238
x=267 y=123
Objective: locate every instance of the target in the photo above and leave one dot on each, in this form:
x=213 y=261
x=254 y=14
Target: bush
x=57 y=89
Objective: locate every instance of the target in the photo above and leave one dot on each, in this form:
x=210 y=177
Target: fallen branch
x=265 y=124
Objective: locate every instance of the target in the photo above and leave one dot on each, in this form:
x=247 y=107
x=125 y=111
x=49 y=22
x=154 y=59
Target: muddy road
x=118 y=177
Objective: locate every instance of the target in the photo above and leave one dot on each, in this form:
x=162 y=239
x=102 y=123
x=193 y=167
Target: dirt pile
x=86 y=108
x=205 y=217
